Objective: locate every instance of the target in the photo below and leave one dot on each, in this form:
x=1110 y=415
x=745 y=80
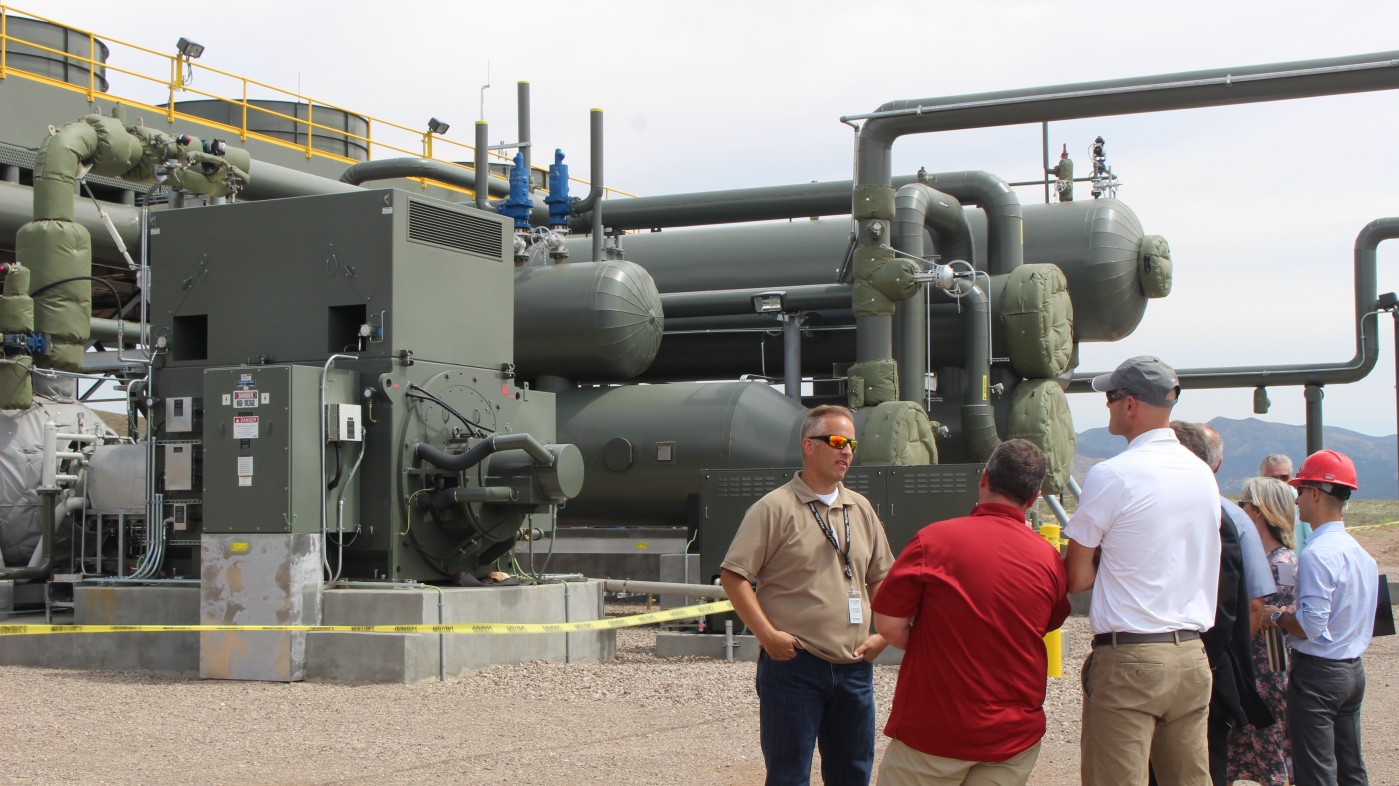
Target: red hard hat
x=1327 y=466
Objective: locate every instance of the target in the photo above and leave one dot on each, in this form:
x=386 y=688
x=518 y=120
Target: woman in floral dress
x=1264 y=755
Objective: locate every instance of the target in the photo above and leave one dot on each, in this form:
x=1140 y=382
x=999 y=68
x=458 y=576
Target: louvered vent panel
x=462 y=231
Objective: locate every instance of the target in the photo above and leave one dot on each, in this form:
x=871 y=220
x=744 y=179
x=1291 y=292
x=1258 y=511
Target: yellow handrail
x=392 y=137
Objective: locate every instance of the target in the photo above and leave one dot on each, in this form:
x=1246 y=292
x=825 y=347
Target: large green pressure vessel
x=644 y=445
x=1096 y=243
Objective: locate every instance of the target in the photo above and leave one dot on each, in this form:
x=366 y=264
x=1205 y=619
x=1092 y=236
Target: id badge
x=1287 y=574
x=857 y=610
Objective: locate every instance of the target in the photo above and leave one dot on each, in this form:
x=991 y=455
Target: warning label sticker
x=245 y=399
x=245 y=427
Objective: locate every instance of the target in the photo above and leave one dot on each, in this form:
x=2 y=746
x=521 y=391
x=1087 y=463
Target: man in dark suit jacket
x=1234 y=698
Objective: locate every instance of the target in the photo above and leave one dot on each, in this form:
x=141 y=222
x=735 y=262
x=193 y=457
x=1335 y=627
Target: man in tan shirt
x=818 y=553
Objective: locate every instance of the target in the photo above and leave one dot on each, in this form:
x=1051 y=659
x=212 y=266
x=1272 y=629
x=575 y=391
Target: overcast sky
x=1261 y=204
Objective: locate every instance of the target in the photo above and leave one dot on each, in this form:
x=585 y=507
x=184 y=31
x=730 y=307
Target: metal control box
x=343 y=423
x=179 y=415
x=265 y=464
x=179 y=466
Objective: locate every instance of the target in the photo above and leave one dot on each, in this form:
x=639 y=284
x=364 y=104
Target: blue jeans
x=806 y=702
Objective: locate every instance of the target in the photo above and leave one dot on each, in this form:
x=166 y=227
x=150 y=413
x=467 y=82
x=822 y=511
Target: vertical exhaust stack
x=58 y=250
x=592 y=203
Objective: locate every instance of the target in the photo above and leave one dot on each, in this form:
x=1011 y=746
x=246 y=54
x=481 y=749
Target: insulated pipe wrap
x=57 y=250
x=881 y=279
x=1037 y=315
x=16 y=316
x=872 y=382
x=117 y=151
x=895 y=432
x=873 y=201
x=55 y=170
x=16 y=307
x=1039 y=412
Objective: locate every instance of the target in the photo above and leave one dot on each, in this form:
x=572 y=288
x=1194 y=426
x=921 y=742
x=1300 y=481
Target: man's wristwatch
x=1275 y=615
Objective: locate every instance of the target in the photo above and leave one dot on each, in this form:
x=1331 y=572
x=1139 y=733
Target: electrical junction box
x=179 y=466
x=343 y=423
x=179 y=415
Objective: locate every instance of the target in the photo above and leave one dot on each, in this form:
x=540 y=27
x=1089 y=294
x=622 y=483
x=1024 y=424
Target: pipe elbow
x=1375 y=232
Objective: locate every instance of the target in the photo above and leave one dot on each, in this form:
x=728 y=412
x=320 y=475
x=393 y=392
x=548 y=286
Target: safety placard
x=245 y=427
x=245 y=399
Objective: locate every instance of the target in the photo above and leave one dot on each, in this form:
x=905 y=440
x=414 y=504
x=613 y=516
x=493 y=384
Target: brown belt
x=1172 y=637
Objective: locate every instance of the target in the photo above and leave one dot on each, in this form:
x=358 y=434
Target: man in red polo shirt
x=970 y=600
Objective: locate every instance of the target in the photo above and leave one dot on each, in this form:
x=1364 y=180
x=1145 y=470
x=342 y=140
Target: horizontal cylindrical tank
x=587 y=321
x=23 y=57
x=275 y=119
x=1094 y=243
x=645 y=444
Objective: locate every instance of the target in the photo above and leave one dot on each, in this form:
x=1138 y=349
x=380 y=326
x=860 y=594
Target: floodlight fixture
x=770 y=303
x=435 y=126
x=189 y=49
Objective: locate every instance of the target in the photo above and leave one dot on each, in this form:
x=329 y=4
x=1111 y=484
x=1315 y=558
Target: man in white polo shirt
x=1145 y=538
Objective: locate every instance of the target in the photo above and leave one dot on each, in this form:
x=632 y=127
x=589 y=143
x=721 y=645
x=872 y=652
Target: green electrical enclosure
x=405 y=304
x=262 y=448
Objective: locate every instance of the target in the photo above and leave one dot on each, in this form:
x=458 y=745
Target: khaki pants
x=1146 y=703
x=904 y=766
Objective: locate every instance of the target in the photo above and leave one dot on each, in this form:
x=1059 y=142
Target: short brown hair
x=1016 y=470
x=818 y=415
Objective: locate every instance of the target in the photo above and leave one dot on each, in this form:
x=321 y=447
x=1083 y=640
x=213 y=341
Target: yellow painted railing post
x=310 y=127
x=91 y=67
x=1053 y=640
x=175 y=78
x=4 y=38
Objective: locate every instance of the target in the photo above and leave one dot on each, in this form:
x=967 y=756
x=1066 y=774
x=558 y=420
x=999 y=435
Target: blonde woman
x=1264 y=755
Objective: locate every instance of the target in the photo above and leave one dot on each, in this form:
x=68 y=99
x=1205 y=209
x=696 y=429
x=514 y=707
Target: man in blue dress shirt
x=1337 y=589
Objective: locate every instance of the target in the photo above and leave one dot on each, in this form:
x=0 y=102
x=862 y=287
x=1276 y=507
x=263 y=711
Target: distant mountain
x=1247 y=441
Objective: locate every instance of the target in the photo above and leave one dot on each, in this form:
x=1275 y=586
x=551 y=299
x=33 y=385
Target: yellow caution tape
x=1371 y=526
x=610 y=623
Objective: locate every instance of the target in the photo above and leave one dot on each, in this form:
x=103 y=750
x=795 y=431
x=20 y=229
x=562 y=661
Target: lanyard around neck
x=831 y=538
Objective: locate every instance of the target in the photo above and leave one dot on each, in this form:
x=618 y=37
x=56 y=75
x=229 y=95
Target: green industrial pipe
x=59 y=250
x=919 y=208
x=1311 y=374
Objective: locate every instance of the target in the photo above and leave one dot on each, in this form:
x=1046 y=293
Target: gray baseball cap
x=1145 y=377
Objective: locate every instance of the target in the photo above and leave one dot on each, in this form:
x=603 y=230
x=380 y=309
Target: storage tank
x=20 y=56
x=645 y=445
x=1097 y=245
x=279 y=120
x=586 y=321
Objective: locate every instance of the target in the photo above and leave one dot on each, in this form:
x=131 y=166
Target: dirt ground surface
x=639 y=720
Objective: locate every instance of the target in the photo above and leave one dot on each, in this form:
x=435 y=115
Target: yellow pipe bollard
x=1053 y=640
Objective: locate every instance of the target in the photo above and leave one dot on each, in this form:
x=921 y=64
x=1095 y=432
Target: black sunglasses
x=1115 y=396
x=836 y=441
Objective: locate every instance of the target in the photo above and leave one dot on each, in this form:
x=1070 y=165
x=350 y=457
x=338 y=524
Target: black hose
x=424 y=394
x=455 y=462
x=339 y=464
x=115 y=295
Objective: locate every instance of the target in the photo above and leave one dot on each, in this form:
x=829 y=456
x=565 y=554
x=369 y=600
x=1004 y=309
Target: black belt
x=1172 y=637
x=1307 y=656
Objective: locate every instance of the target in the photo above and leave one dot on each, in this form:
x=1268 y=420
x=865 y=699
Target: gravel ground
x=639 y=720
